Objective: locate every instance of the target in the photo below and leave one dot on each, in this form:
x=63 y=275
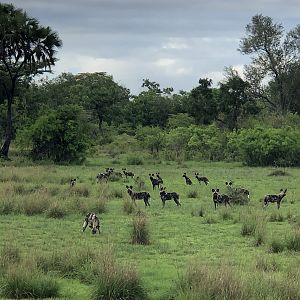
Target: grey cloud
x=136 y=31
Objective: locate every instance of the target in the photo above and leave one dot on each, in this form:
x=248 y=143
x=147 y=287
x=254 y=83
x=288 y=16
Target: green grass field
x=179 y=237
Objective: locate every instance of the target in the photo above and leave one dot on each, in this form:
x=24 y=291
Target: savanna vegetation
x=245 y=129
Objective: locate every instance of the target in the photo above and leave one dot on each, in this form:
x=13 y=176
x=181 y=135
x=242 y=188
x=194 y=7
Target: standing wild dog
x=164 y=196
x=239 y=190
x=202 y=178
x=220 y=199
x=92 y=221
x=72 y=182
x=275 y=198
x=159 y=178
x=128 y=173
x=138 y=195
x=155 y=182
x=188 y=181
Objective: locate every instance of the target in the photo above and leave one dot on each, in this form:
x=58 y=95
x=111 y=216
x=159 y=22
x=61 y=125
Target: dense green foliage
x=27 y=49
x=58 y=135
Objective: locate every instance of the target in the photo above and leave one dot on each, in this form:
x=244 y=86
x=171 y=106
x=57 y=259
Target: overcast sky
x=172 y=42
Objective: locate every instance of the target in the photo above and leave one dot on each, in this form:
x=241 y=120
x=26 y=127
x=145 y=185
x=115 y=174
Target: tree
x=60 y=135
x=26 y=49
x=234 y=101
x=202 y=104
x=273 y=56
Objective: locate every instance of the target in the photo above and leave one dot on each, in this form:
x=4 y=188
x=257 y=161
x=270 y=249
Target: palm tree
x=26 y=49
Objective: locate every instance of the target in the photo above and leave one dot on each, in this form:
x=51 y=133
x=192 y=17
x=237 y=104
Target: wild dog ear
x=281 y=190
x=226 y=183
x=131 y=187
x=285 y=190
x=149 y=174
x=127 y=187
x=230 y=183
x=213 y=190
x=164 y=188
x=152 y=174
x=218 y=190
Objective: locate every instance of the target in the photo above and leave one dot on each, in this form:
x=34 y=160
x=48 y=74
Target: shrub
x=276 y=217
x=276 y=246
x=278 y=173
x=140 y=231
x=260 y=233
x=128 y=207
x=117 y=194
x=266 y=265
x=79 y=191
x=199 y=212
x=35 y=204
x=10 y=253
x=266 y=146
x=56 y=211
x=225 y=215
x=238 y=196
x=192 y=194
x=133 y=159
x=7 y=206
x=203 y=282
x=114 y=281
x=293 y=240
x=20 y=283
x=59 y=135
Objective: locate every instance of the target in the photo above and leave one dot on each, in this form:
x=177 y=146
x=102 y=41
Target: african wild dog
x=188 y=181
x=164 y=196
x=220 y=199
x=92 y=221
x=238 y=190
x=202 y=178
x=105 y=175
x=159 y=178
x=138 y=195
x=72 y=182
x=275 y=198
x=155 y=182
x=128 y=173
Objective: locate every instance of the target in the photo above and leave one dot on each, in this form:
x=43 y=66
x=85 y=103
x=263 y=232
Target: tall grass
x=114 y=281
x=19 y=283
x=293 y=240
x=140 y=232
x=203 y=282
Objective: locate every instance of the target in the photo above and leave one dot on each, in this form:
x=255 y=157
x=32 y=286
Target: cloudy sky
x=172 y=42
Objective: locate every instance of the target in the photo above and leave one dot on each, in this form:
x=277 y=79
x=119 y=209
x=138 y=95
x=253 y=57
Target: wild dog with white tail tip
x=275 y=198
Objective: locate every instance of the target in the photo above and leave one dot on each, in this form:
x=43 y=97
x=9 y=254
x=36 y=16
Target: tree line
x=77 y=110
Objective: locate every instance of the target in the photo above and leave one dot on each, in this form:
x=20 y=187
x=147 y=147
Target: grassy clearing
x=42 y=216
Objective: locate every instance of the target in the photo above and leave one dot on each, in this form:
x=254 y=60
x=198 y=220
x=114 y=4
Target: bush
x=198 y=212
x=276 y=217
x=276 y=246
x=133 y=159
x=268 y=146
x=140 y=232
x=114 y=281
x=20 y=283
x=192 y=194
x=56 y=211
x=293 y=240
x=59 y=135
x=266 y=265
x=203 y=282
x=128 y=207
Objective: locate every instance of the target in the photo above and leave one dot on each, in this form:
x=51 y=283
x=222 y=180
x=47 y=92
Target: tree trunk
x=8 y=132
